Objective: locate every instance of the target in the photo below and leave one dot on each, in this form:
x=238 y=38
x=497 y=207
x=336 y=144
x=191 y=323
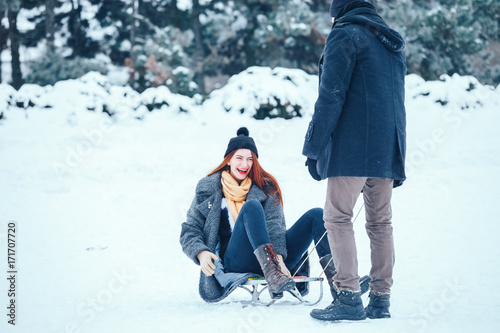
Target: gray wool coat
x=201 y=230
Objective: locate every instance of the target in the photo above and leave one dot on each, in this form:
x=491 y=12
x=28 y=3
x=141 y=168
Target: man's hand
x=282 y=266
x=313 y=171
x=207 y=266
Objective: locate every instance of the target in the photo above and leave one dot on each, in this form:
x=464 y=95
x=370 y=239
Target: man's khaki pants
x=342 y=193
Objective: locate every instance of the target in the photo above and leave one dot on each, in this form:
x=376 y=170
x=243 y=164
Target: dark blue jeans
x=250 y=231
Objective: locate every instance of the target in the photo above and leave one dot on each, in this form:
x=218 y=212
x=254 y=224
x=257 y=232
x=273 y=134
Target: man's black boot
x=378 y=307
x=346 y=306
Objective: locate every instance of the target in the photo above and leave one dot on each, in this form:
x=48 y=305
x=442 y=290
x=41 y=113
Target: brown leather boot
x=277 y=282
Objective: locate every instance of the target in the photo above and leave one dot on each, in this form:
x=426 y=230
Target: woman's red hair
x=263 y=179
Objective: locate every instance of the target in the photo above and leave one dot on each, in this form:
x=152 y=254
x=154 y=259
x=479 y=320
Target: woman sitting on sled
x=235 y=227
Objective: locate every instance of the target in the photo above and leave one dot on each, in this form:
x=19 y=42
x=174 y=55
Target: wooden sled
x=255 y=284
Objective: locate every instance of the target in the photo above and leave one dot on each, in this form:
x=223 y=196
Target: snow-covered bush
x=457 y=92
x=94 y=92
x=6 y=93
x=30 y=95
x=264 y=92
x=257 y=92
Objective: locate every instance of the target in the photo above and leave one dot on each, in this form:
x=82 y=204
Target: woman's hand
x=205 y=259
x=282 y=266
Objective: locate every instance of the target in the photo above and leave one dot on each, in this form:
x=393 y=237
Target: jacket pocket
x=205 y=206
x=309 y=131
x=400 y=151
x=320 y=66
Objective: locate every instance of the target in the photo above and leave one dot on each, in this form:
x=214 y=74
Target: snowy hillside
x=98 y=202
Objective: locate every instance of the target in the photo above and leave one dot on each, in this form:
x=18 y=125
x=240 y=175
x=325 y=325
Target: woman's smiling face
x=240 y=164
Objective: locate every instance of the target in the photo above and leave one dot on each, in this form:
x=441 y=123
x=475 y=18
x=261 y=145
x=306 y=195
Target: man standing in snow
x=356 y=140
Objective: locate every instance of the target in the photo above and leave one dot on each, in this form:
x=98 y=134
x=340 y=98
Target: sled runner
x=256 y=283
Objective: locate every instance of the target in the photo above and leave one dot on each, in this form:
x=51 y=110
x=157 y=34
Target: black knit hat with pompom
x=241 y=141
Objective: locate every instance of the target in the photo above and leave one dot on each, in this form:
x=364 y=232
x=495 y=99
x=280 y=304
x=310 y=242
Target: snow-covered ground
x=98 y=202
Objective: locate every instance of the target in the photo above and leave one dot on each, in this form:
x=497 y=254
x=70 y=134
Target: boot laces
x=273 y=260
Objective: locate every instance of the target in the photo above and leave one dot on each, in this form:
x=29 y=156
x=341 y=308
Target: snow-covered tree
x=195 y=46
x=447 y=36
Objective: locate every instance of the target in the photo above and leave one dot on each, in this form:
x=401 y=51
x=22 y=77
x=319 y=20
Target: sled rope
x=314 y=247
x=308 y=256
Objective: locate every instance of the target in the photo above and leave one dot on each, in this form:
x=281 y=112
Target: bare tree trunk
x=76 y=28
x=50 y=24
x=4 y=36
x=133 y=23
x=138 y=83
x=174 y=14
x=198 y=56
x=15 y=42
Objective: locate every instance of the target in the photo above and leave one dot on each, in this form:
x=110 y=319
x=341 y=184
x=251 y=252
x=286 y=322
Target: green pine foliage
x=53 y=67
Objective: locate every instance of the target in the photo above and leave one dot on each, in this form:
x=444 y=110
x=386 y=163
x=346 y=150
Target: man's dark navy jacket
x=359 y=123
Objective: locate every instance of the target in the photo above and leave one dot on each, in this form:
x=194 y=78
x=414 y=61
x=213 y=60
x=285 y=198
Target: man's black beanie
x=241 y=141
x=336 y=6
